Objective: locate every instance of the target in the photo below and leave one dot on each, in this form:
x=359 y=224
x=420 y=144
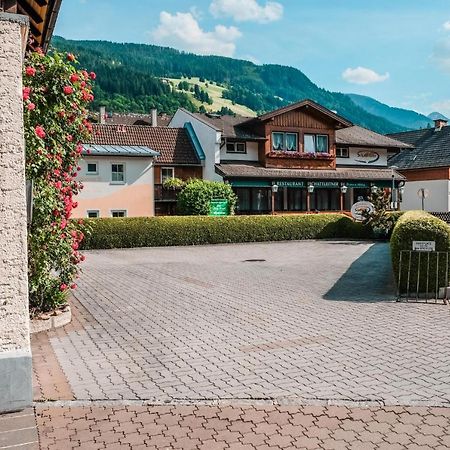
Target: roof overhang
x=42 y=15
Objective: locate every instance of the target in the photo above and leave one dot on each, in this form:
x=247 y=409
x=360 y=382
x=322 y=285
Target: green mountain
x=403 y=117
x=436 y=115
x=133 y=77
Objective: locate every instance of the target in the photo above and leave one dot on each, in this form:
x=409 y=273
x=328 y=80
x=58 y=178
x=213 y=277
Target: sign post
x=424 y=246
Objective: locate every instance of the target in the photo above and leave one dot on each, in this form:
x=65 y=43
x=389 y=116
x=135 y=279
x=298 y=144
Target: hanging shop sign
x=367 y=157
x=359 y=208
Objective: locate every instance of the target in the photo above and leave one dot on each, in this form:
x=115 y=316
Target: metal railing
x=423 y=277
x=445 y=216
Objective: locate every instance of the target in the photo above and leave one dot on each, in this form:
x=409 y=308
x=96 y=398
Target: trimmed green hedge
x=189 y=230
x=419 y=226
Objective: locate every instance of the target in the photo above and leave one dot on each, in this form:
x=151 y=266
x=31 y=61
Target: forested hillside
x=129 y=79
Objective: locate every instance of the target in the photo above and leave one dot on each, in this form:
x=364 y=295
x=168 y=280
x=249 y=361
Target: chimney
x=439 y=124
x=102 y=119
x=154 y=117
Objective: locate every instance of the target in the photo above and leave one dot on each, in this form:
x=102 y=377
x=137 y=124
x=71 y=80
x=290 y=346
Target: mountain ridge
x=130 y=80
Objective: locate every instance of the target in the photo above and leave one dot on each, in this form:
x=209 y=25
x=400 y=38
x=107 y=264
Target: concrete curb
x=52 y=322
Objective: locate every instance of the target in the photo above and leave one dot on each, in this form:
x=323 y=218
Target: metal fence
x=445 y=216
x=423 y=277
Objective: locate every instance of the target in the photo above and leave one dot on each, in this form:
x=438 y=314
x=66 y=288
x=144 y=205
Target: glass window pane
x=240 y=147
x=322 y=144
x=309 y=143
x=230 y=147
x=92 y=167
x=291 y=142
x=277 y=141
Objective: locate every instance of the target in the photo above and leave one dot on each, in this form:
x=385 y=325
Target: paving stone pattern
x=244 y=427
x=203 y=323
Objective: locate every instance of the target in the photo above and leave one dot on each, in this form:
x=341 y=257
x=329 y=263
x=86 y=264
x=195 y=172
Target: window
x=93 y=214
x=316 y=143
x=167 y=173
x=92 y=168
x=236 y=147
x=118 y=173
x=119 y=213
x=285 y=142
x=342 y=152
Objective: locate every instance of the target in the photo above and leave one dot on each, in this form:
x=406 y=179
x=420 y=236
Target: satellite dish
x=423 y=193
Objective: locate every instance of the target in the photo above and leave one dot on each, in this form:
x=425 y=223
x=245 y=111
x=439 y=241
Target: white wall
x=366 y=157
x=251 y=155
x=15 y=352
x=209 y=139
x=438 y=200
x=133 y=195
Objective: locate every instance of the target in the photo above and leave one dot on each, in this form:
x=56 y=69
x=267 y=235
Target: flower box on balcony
x=299 y=155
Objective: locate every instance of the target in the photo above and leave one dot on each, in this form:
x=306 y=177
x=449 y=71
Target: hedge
x=419 y=226
x=195 y=230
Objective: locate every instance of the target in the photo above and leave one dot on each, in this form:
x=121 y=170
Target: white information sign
x=424 y=246
x=359 y=208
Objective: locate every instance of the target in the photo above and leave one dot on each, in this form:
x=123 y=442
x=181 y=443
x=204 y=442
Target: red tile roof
x=173 y=144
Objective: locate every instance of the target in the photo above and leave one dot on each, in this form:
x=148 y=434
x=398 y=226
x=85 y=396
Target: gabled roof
x=307 y=103
x=229 y=126
x=431 y=149
x=359 y=136
x=173 y=144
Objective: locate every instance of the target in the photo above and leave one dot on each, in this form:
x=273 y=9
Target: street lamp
x=274 y=191
x=393 y=186
x=310 y=188
x=374 y=189
x=344 y=190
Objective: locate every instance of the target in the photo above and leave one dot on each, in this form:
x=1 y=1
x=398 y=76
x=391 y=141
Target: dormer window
x=236 y=147
x=316 y=143
x=284 y=142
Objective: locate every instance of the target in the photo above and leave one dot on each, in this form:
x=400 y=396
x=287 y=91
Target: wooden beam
x=42 y=2
x=29 y=11
x=9 y=6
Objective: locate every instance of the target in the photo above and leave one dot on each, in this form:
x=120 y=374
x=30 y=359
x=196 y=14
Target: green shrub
x=195 y=198
x=173 y=183
x=419 y=226
x=188 y=230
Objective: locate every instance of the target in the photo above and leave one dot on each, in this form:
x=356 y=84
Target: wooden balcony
x=165 y=195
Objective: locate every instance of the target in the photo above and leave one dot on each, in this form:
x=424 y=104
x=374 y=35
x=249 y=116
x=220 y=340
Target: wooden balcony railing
x=165 y=195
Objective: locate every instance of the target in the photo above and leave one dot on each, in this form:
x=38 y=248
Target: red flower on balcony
x=300 y=155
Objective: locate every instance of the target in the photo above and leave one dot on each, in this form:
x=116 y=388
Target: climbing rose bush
x=56 y=95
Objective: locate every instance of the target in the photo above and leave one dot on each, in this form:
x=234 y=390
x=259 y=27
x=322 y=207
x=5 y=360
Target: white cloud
x=247 y=10
x=442 y=106
x=441 y=54
x=182 y=30
x=446 y=25
x=363 y=75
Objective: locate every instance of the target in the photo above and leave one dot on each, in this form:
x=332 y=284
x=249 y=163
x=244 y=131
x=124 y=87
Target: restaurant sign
x=326 y=184
x=357 y=184
x=360 y=208
x=298 y=184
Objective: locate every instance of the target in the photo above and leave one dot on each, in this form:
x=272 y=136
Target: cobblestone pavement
x=238 y=349
x=244 y=427
x=199 y=323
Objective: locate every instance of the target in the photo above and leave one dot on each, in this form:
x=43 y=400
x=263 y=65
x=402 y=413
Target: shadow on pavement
x=368 y=279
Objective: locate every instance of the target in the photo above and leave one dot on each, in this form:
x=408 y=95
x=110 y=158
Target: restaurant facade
x=301 y=158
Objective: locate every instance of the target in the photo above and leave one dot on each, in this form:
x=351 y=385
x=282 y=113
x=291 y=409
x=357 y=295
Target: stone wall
x=15 y=354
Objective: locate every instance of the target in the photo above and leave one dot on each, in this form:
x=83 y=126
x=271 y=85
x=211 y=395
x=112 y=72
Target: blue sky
x=397 y=51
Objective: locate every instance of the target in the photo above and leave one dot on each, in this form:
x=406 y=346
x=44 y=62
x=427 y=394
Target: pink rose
x=63 y=287
x=40 y=133
x=70 y=57
x=26 y=93
x=31 y=106
x=92 y=76
x=30 y=71
x=68 y=90
x=74 y=78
